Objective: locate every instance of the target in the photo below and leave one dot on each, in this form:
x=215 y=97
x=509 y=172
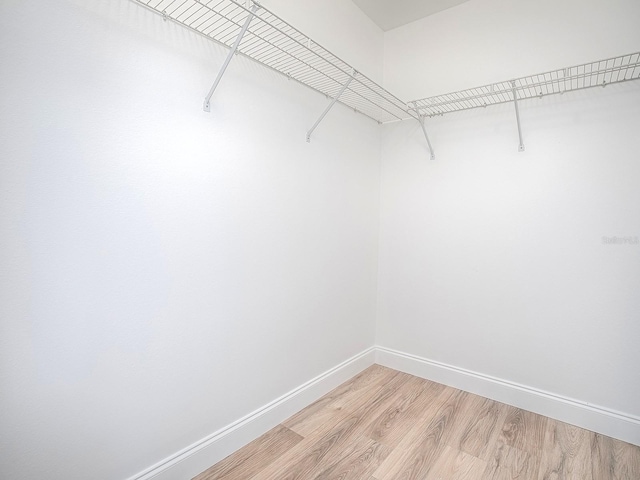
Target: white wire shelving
x=595 y=74
x=249 y=29
x=587 y=75
x=264 y=37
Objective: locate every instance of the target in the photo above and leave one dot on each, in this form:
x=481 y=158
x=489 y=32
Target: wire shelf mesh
x=595 y=74
x=279 y=46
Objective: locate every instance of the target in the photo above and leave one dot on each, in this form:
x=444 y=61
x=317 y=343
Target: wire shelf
x=595 y=74
x=274 y=43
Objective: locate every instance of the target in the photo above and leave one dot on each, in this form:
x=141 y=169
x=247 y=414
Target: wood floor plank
x=329 y=442
x=613 y=459
x=357 y=461
x=566 y=454
x=323 y=415
x=300 y=461
x=524 y=430
x=517 y=451
x=308 y=419
x=479 y=428
x=254 y=456
x=386 y=388
x=423 y=444
x=454 y=464
x=367 y=412
x=391 y=426
x=509 y=463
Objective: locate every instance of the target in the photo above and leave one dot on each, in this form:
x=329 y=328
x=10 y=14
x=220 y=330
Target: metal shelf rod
x=424 y=130
x=515 y=102
x=333 y=102
x=232 y=52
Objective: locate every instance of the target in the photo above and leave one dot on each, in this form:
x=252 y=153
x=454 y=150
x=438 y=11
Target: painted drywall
x=165 y=271
x=493 y=260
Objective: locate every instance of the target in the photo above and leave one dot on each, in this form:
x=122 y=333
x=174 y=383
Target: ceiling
x=389 y=14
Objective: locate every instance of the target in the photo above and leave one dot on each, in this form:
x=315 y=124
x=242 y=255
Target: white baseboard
x=602 y=420
x=196 y=458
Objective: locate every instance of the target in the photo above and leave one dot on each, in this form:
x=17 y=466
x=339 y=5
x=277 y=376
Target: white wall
x=165 y=271
x=492 y=260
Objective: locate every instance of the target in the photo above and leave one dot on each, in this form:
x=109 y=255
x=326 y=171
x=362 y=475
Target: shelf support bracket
x=515 y=102
x=232 y=52
x=424 y=130
x=333 y=102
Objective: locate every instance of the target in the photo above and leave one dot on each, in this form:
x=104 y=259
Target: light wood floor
x=387 y=425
